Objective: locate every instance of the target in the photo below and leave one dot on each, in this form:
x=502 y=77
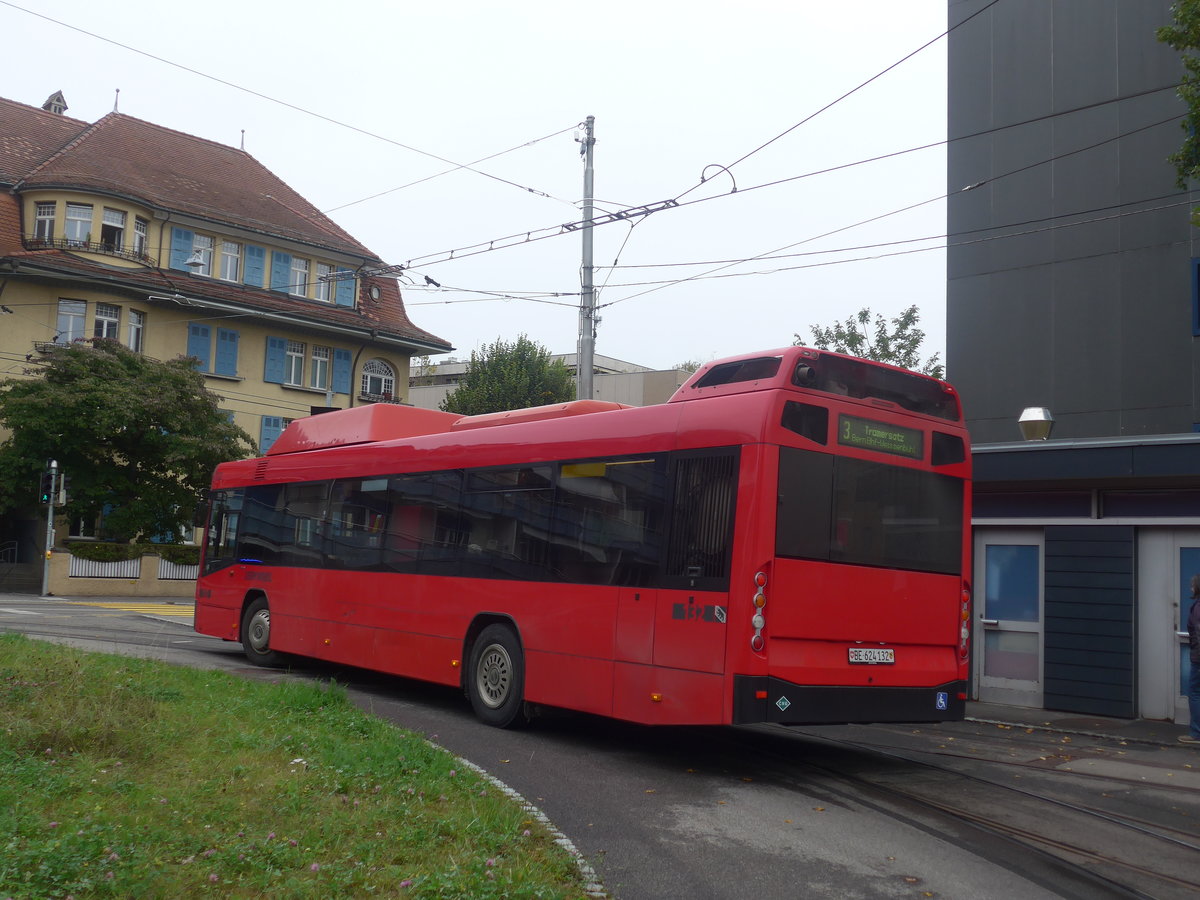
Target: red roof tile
x=174 y=171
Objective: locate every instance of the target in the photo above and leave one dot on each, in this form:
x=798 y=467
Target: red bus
x=785 y=540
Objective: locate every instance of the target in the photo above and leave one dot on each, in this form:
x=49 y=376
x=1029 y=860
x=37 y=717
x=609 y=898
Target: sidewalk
x=1141 y=731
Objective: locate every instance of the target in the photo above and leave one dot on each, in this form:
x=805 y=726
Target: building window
x=272 y=427
x=322 y=290
x=137 y=330
x=294 y=365
x=70 y=321
x=141 y=229
x=112 y=229
x=79 y=223
x=203 y=244
x=299 y=284
x=108 y=321
x=318 y=375
x=378 y=380
x=43 y=223
x=231 y=260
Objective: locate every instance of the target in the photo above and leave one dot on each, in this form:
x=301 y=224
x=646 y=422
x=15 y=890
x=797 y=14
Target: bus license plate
x=872 y=656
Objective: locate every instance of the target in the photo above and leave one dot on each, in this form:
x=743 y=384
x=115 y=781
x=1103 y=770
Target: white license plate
x=872 y=656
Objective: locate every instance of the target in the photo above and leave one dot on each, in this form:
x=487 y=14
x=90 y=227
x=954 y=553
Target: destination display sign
x=880 y=436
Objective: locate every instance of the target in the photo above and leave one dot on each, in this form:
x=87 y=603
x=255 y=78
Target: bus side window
x=358 y=514
x=701 y=541
x=221 y=547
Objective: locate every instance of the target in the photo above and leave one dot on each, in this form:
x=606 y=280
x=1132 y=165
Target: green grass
x=125 y=777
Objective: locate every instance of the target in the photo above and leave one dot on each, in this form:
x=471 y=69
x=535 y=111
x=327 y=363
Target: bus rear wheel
x=496 y=678
x=256 y=634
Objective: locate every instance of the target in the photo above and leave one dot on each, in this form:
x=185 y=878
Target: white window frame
x=231 y=260
x=141 y=235
x=323 y=288
x=107 y=321
x=299 y=277
x=318 y=375
x=78 y=227
x=137 y=330
x=112 y=228
x=70 y=322
x=378 y=379
x=203 y=244
x=43 y=222
x=293 y=372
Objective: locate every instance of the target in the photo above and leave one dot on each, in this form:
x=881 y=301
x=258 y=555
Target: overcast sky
x=351 y=103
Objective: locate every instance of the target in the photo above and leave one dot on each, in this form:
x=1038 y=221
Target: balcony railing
x=378 y=398
x=37 y=243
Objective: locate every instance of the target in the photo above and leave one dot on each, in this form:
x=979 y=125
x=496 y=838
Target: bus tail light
x=759 y=621
x=964 y=634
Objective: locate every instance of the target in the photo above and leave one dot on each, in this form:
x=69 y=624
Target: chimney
x=55 y=103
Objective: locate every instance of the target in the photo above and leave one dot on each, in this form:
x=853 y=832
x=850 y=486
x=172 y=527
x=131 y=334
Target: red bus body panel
x=645 y=654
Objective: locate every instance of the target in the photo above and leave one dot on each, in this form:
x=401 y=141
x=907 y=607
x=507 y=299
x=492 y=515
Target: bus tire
x=496 y=678
x=256 y=635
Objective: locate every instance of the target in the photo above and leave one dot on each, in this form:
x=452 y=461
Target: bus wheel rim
x=493 y=678
x=259 y=631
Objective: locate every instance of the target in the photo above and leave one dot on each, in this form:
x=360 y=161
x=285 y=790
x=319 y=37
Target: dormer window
x=112 y=229
x=43 y=223
x=79 y=223
x=299 y=283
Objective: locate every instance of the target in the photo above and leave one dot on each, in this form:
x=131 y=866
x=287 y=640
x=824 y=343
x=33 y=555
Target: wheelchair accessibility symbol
x=943 y=700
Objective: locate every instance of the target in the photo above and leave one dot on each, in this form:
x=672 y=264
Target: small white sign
x=872 y=656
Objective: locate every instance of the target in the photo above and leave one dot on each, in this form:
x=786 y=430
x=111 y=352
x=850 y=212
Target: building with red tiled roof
x=179 y=246
x=176 y=245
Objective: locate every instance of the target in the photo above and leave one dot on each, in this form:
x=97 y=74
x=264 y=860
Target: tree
x=139 y=438
x=1184 y=36
x=900 y=346
x=688 y=365
x=510 y=375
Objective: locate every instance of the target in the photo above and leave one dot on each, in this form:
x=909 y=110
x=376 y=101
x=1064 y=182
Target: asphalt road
x=764 y=812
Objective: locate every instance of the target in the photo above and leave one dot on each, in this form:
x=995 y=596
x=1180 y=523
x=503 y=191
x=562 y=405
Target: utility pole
x=587 y=301
x=49 y=494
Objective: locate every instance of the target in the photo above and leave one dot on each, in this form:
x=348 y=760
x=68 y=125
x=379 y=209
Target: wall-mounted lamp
x=196 y=260
x=1035 y=423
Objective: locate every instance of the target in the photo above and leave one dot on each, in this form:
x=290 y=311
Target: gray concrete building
x=1072 y=286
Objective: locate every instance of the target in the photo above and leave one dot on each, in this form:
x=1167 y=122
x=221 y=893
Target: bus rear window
x=867 y=380
x=741 y=370
x=865 y=513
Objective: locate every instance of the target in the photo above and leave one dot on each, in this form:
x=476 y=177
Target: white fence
x=169 y=571
x=123 y=568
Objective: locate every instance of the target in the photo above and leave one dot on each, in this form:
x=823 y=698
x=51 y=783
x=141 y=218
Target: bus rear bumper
x=767 y=699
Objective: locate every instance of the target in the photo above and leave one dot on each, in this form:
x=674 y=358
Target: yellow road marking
x=154 y=609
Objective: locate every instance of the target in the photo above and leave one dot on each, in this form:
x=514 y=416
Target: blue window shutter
x=272 y=427
x=227 y=352
x=281 y=270
x=276 y=360
x=344 y=295
x=181 y=247
x=200 y=345
x=254 y=265
x=341 y=371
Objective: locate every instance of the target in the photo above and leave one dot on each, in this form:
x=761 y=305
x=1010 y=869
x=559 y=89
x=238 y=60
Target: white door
x=1008 y=616
x=1167 y=560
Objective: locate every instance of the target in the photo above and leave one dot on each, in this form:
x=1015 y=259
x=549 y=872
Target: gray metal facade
x=1070 y=265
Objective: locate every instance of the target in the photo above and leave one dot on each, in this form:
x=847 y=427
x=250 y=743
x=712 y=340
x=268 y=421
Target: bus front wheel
x=496 y=678
x=256 y=634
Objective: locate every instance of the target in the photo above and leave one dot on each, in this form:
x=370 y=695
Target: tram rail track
x=1154 y=860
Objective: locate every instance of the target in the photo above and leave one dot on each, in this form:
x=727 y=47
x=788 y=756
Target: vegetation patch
x=126 y=778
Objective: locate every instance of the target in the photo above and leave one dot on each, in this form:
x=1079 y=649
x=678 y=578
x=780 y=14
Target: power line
x=903 y=209
x=847 y=94
x=277 y=101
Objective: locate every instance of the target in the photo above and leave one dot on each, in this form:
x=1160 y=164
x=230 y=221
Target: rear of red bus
x=849 y=597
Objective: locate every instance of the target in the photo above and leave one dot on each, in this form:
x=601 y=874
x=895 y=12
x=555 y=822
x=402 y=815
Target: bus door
x=690 y=619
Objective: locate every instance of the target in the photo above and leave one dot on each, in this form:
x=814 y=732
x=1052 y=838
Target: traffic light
x=64 y=490
x=46 y=489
